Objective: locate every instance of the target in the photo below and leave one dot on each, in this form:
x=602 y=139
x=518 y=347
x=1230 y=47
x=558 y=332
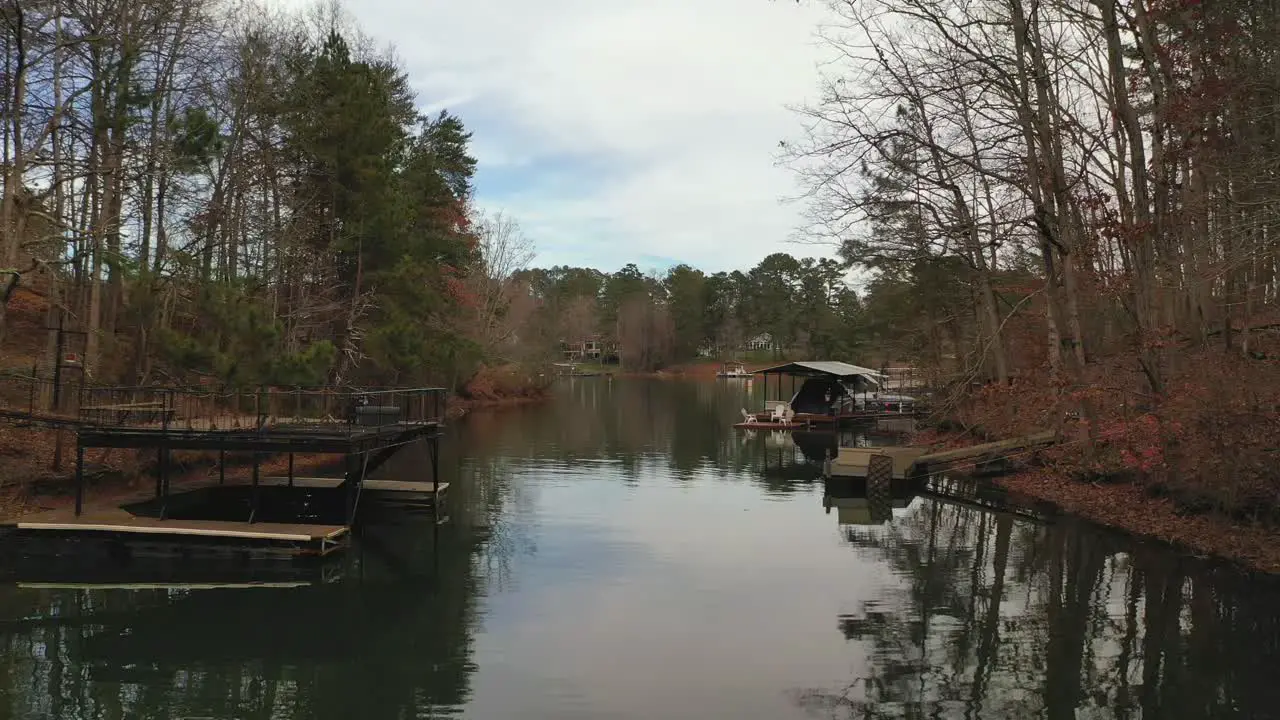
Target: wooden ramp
x=369 y=484
x=314 y=539
x=914 y=461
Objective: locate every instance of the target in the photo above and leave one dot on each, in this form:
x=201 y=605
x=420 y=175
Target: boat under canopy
x=832 y=390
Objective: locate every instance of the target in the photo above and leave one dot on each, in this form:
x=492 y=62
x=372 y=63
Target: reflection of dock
x=864 y=510
x=870 y=499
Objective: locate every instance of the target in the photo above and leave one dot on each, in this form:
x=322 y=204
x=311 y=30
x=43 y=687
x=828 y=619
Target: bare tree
x=504 y=249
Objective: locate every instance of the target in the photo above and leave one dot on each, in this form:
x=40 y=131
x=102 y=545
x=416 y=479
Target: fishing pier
x=296 y=515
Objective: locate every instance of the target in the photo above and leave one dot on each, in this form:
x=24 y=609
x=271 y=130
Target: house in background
x=594 y=348
x=763 y=341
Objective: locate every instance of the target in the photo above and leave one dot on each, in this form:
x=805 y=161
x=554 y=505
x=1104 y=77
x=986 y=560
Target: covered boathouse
x=824 y=391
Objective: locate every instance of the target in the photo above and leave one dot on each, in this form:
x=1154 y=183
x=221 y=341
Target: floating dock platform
x=119 y=523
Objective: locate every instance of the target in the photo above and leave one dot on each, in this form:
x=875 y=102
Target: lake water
x=622 y=552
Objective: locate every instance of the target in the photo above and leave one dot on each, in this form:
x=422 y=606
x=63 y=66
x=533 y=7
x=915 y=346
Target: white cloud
x=676 y=105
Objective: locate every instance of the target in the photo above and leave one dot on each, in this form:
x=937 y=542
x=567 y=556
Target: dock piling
x=354 y=479
x=433 y=444
x=255 y=496
x=162 y=480
x=79 y=478
x=159 y=472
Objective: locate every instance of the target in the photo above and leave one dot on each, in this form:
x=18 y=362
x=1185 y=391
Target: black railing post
x=163 y=478
x=57 y=368
x=255 y=498
x=79 y=478
x=352 y=483
x=435 y=462
x=160 y=473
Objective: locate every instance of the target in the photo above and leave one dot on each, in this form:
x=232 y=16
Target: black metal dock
x=362 y=426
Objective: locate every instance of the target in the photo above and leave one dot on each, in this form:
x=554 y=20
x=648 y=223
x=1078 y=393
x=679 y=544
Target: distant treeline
x=785 y=304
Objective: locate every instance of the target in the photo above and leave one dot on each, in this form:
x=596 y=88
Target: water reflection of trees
x=992 y=617
x=677 y=428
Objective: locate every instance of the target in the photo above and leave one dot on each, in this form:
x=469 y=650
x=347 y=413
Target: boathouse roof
x=820 y=368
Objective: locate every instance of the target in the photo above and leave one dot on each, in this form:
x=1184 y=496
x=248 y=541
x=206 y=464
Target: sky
x=618 y=131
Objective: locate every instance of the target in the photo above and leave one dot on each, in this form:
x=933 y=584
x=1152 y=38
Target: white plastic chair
x=747 y=417
x=780 y=414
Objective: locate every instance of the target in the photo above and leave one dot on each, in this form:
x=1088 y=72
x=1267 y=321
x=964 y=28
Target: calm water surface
x=623 y=553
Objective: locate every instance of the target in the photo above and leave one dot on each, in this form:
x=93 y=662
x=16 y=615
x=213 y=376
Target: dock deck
x=320 y=539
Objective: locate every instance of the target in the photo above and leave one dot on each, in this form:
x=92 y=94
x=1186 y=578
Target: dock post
x=57 y=371
x=160 y=472
x=222 y=467
x=254 y=498
x=79 y=478
x=168 y=402
x=290 y=469
x=434 y=444
x=352 y=489
x=162 y=477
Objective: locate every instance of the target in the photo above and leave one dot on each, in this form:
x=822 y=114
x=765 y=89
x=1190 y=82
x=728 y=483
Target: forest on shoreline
x=1068 y=208
x=1086 y=196
x=230 y=194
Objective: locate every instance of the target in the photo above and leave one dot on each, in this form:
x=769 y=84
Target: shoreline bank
x=1123 y=505
x=461 y=407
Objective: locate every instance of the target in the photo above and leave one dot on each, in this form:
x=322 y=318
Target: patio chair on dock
x=781 y=414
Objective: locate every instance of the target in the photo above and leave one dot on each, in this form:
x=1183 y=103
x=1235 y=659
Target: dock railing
x=215 y=409
x=26 y=393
